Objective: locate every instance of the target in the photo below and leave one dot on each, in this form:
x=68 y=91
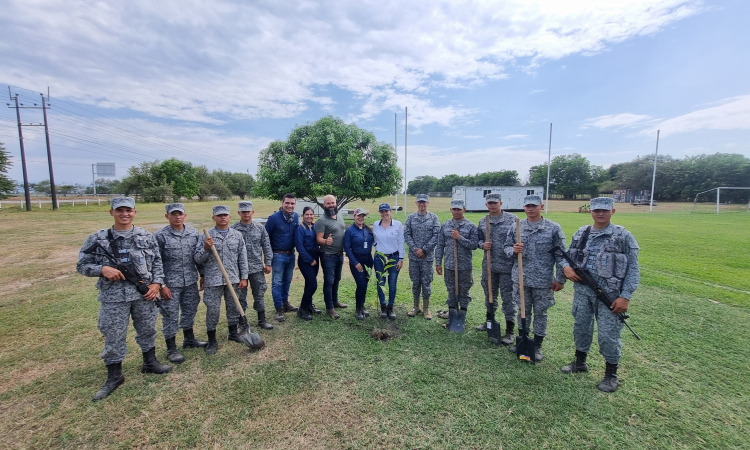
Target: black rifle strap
x=113 y=245
x=582 y=245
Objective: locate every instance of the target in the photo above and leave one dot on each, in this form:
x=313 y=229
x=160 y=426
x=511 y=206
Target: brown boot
x=416 y=309
x=333 y=314
x=338 y=304
x=427 y=314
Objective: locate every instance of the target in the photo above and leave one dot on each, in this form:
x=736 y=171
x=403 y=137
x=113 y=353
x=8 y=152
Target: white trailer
x=473 y=196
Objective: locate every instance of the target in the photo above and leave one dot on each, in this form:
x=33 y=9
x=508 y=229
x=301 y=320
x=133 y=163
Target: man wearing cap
x=610 y=253
x=177 y=243
x=329 y=233
x=120 y=300
x=230 y=245
x=282 y=230
x=463 y=233
x=389 y=243
x=258 y=247
x=502 y=264
x=421 y=231
x=538 y=237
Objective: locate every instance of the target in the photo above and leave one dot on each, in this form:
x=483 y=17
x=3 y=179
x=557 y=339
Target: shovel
x=251 y=340
x=456 y=316
x=493 y=328
x=524 y=344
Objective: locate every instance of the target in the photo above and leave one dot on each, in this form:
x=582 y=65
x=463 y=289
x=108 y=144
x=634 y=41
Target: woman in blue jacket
x=307 y=247
x=358 y=242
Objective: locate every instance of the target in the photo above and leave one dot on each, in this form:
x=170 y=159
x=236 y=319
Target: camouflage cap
x=532 y=200
x=359 y=211
x=457 y=204
x=245 y=206
x=175 y=207
x=221 y=209
x=606 y=203
x=118 y=202
x=493 y=197
x=423 y=198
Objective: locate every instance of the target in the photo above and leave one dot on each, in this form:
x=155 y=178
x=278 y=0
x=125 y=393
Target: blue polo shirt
x=281 y=232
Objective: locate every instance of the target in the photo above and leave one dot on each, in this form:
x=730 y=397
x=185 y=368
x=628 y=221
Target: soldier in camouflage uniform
x=421 y=231
x=258 y=249
x=231 y=247
x=502 y=265
x=119 y=298
x=610 y=253
x=538 y=237
x=177 y=243
x=464 y=233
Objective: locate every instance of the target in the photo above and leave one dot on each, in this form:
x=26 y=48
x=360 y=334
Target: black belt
x=284 y=252
x=393 y=255
x=333 y=254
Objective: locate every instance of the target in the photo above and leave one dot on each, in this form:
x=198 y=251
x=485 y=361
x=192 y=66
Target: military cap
x=423 y=198
x=245 y=206
x=492 y=197
x=532 y=200
x=384 y=207
x=457 y=204
x=602 y=203
x=359 y=211
x=175 y=207
x=221 y=209
x=117 y=202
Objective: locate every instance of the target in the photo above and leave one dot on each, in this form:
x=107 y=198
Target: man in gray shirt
x=329 y=233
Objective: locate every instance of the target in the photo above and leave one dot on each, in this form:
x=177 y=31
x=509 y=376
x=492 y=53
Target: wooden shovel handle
x=489 y=258
x=226 y=276
x=455 y=267
x=520 y=269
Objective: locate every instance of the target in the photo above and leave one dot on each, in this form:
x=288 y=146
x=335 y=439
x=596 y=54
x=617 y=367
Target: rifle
x=589 y=281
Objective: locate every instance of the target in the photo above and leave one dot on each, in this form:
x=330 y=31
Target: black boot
x=233 y=334
x=114 y=379
x=538 y=356
x=304 y=314
x=383 y=312
x=173 y=355
x=190 y=341
x=314 y=310
x=358 y=314
x=610 y=382
x=509 y=337
x=391 y=314
x=152 y=365
x=280 y=315
x=578 y=364
x=262 y=321
x=364 y=312
x=212 y=346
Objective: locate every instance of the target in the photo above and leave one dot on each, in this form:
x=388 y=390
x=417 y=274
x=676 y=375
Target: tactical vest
x=610 y=256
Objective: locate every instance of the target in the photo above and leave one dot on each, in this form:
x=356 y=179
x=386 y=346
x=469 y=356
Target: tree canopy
x=7 y=186
x=428 y=183
x=569 y=175
x=328 y=157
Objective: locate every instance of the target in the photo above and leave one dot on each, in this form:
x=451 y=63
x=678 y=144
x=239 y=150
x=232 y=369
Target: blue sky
x=214 y=82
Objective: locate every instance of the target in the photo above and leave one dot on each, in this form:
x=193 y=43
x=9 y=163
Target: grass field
x=328 y=384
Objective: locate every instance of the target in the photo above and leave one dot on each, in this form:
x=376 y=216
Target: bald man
x=329 y=233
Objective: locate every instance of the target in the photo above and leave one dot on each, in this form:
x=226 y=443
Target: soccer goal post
x=725 y=197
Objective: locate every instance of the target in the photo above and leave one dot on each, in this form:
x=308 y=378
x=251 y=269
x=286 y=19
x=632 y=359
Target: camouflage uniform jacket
x=256 y=241
x=421 y=231
x=538 y=263
x=466 y=243
x=611 y=255
x=232 y=252
x=499 y=227
x=177 y=251
x=143 y=252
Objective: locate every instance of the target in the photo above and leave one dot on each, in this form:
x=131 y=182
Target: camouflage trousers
x=420 y=273
x=586 y=308
x=465 y=282
x=184 y=300
x=503 y=283
x=537 y=301
x=258 y=286
x=212 y=298
x=113 y=324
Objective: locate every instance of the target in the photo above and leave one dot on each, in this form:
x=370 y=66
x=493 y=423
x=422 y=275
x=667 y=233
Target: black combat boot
x=152 y=365
x=114 y=379
x=509 y=337
x=610 y=382
x=304 y=314
x=262 y=321
x=577 y=365
x=288 y=307
x=364 y=312
x=190 y=341
x=359 y=314
x=280 y=315
x=391 y=314
x=383 y=312
x=538 y=347
x=233 y=334
x=314 y=310
x=173 y=355
x=212 y=346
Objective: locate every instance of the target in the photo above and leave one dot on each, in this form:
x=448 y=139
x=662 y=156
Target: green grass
x=327 y=384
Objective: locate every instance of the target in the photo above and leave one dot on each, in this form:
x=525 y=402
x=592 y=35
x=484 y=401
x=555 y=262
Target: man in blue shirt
x=282 y=229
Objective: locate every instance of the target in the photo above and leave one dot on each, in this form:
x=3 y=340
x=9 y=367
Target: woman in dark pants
x=358 y=241
x=307 y=247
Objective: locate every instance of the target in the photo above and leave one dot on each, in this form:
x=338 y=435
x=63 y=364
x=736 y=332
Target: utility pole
x=395 y=146
x=23 y=152
x=53 y=189
x=406 y=131
x=653 y=178
x=549 y=167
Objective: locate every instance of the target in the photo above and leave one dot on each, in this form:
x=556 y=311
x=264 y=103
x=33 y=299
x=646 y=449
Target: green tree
x=422 y=185
x=211 y=183
x=42 y=187
x=570 y=175
x=105 y=186
x=7 y=186
x=240 y=184
x=328 y=157
x=181 y=175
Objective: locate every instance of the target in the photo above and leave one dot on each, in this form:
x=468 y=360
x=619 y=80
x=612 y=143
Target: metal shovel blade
x=457 y=324
x=250 y=339
x=494 y=334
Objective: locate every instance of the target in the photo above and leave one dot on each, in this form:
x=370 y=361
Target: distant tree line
x=7 y=186
x=428 y=183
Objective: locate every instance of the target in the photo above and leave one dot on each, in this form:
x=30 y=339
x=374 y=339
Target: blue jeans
x=361 y=279
x=310 y=274
x=332 y=265
x=391 y=274
x=282 y=268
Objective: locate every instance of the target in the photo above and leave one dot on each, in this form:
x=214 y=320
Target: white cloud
x=730 y=114
x=624 y=120
x=516 y=136
x=536 y=91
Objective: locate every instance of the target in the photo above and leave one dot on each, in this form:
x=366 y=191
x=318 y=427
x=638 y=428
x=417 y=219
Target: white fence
x=37 y=204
